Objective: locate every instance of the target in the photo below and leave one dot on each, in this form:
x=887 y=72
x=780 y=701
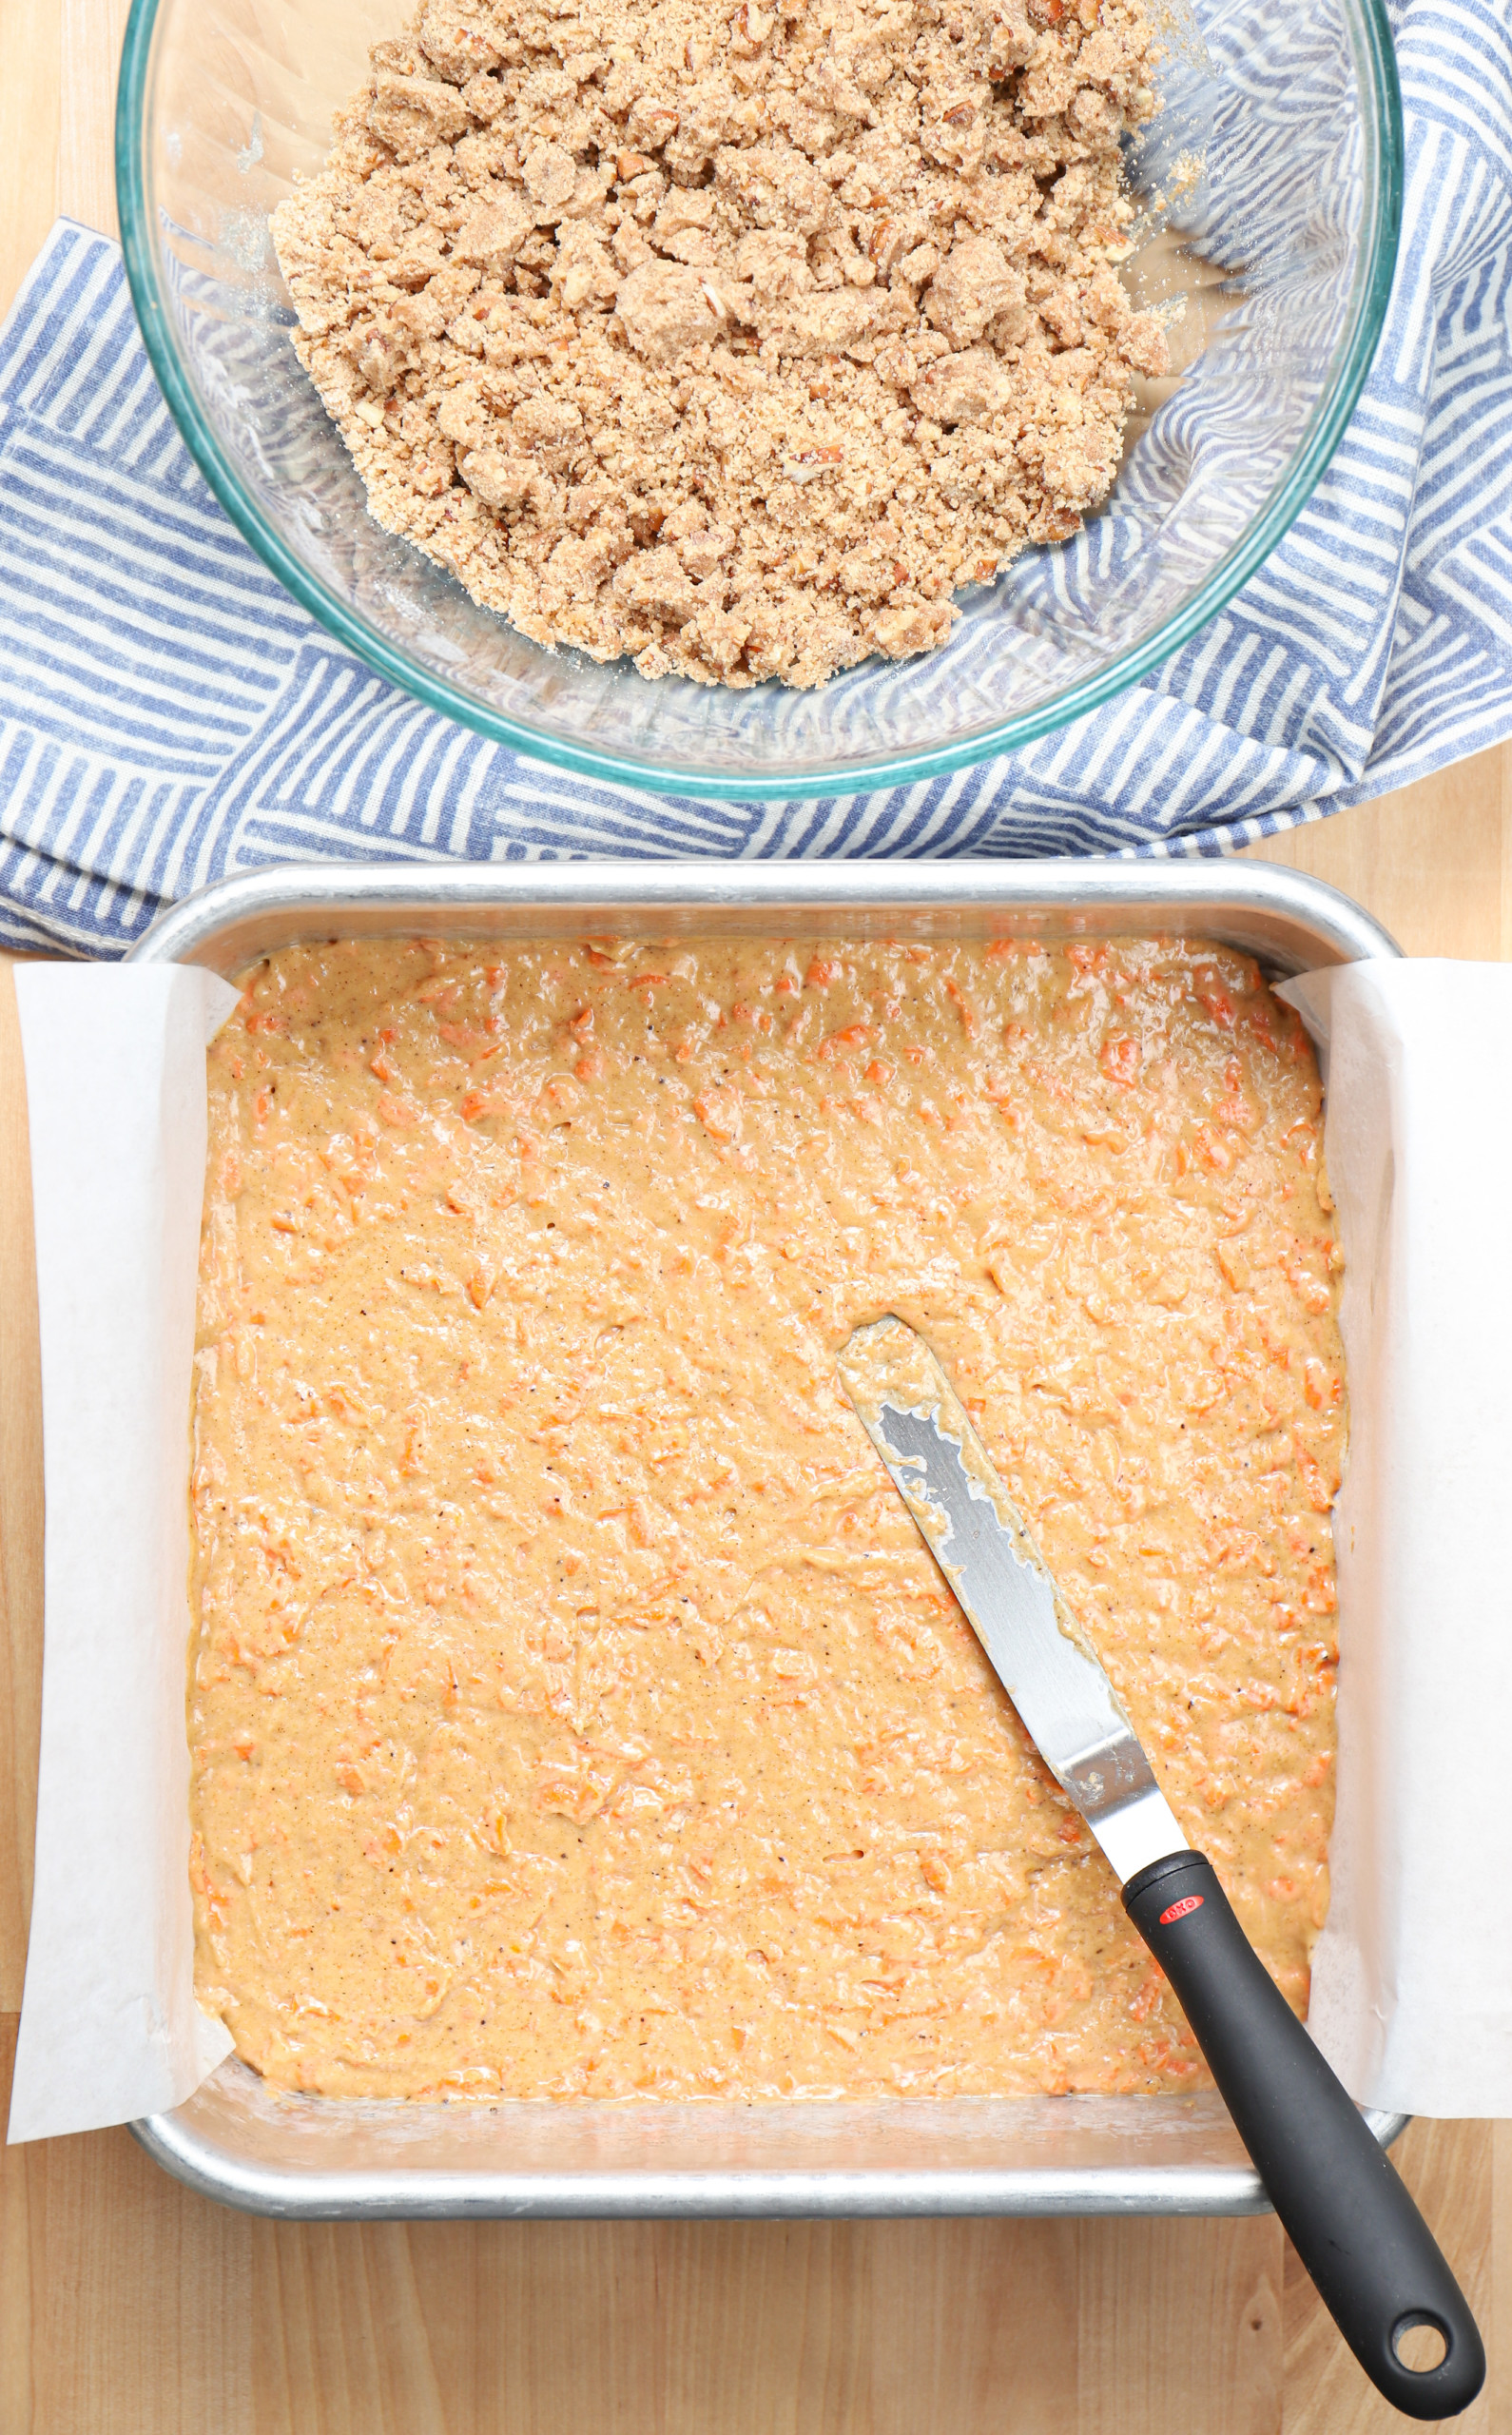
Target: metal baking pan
x=251 y=2146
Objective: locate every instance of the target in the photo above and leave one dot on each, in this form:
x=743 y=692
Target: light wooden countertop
x=129 y=2306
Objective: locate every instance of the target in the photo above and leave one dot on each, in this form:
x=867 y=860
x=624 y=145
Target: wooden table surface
x=129 y=2308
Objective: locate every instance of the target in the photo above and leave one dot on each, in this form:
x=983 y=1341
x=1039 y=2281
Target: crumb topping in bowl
x=734 y=342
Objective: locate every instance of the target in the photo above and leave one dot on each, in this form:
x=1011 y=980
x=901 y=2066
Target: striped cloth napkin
x=168 y=715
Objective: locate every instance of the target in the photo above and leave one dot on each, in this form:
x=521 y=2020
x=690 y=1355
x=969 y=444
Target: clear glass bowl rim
x=1381 y=97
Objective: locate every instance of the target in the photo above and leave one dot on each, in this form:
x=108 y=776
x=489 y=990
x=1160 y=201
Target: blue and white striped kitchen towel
x=141 y=756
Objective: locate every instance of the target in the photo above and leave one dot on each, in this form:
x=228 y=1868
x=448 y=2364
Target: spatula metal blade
x=1068 y=1706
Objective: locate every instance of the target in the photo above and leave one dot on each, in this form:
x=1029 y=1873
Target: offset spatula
x=1374 y=2261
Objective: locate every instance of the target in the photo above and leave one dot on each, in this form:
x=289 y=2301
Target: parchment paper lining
x=1412 y=1982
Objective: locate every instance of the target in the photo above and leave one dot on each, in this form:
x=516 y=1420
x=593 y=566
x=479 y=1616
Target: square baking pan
x=252 y=2146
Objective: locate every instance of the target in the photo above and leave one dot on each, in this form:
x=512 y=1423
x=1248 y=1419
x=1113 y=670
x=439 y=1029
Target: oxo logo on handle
x=1179 y=1910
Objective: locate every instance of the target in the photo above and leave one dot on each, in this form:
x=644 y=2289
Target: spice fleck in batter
x=575 y=1711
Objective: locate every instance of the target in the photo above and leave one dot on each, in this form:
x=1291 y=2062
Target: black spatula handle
x=1377 y=2267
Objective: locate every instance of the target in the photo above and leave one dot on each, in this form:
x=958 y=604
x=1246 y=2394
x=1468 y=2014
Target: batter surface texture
x=575 y=1710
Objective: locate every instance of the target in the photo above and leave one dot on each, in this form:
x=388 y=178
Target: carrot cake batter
x=575 y=1708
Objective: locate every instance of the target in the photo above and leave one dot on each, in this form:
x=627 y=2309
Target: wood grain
x=1180 y=2326
x=92 y=31
x=1433 y=863
x=129 y=2306
x=1497 y=2323
x=30 y=41
x=57 y=98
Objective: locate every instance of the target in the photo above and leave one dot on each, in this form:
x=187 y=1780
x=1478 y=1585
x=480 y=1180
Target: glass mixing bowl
x=1270 y=196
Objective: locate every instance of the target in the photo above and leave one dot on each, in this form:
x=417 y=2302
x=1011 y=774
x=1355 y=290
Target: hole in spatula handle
x=1421 y=2343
